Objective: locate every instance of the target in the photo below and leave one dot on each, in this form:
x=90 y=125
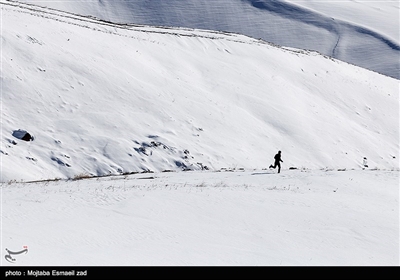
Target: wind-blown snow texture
x=102 y=98
x=365 y=33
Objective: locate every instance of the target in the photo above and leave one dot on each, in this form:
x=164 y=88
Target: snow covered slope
x=101 y=98
x=364 y=33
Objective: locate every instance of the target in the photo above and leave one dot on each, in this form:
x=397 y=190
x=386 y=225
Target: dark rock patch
x=23 y=135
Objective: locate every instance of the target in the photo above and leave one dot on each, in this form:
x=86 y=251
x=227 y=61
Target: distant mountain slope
x=101 y=98
x=358 y=32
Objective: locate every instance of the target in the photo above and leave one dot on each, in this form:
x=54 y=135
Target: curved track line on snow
x=58 y=15
x=303 y=15
x=79 y=20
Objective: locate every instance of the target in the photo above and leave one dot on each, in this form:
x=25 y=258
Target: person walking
x=278 y=161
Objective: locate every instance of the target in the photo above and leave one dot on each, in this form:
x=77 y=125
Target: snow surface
x=256 y=218
x=105 y=99
x=364 y=33
x=137 y=101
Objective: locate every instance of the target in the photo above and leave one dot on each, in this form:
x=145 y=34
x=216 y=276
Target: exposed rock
x=23 y=135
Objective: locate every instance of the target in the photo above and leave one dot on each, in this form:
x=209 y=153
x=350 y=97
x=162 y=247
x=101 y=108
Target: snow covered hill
x=364 y=33
x=101 y=98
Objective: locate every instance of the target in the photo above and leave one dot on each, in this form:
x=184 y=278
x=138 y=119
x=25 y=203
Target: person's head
x=279 y=152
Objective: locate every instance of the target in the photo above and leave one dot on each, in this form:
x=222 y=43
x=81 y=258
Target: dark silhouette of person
x=278 y=161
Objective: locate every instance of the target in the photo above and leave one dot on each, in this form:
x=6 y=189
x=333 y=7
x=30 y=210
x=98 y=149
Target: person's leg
x=279 y=167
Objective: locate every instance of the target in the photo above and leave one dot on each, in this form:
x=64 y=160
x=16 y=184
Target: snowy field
x=241 y=218
x=177 y=128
